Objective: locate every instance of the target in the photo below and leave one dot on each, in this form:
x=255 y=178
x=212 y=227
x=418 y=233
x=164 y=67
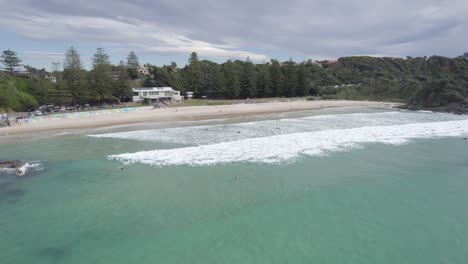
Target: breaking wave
x=287 y=147
x=209 y=134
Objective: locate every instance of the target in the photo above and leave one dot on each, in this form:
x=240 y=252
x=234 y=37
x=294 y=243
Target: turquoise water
x=392 y=199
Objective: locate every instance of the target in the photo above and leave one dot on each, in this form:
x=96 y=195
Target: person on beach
x=7 y=121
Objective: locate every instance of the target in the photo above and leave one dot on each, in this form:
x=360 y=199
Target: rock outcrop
x=13 y=165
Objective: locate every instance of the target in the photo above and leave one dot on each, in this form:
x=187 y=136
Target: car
x=38 y=113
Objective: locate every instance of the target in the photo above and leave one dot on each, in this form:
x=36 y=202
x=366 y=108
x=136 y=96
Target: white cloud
x=235 y=29
x=121 y=31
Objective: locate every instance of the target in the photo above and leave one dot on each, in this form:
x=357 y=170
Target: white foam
x=209 y=134
x=287 y=147
x=27 y=167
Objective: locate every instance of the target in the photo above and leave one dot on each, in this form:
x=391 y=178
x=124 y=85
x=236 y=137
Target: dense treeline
x=430 y=82
x=69 y=85
x=421 y=81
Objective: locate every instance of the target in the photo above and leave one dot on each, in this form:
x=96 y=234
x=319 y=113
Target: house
x=156 y=94
x=51 y=78
x=189 y=95
x=143 y=71
x=331 y=63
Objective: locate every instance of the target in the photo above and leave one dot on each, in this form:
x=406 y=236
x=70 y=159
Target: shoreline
x=459 y=108
x=189 y=113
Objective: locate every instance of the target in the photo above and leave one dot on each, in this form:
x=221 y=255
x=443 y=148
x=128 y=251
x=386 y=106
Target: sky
x=161 y=31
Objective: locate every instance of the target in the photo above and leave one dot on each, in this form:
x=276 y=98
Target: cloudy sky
x=161 y=31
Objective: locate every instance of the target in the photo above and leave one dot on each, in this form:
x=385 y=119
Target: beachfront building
x=156 y=94
x=189 y=95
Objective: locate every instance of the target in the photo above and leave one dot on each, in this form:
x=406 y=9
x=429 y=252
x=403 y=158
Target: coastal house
x=156 y=94
x=189 y=95
x=51 y=78
x=143 y=71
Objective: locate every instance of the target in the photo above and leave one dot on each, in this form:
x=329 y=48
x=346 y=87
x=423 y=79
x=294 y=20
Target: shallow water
x=370 y=201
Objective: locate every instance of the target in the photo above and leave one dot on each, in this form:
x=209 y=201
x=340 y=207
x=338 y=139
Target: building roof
x=151 y=89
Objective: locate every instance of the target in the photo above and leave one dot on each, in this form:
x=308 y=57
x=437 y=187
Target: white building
x=156 y=94
x=189 y=95
x=51 y=78
x=143 y=71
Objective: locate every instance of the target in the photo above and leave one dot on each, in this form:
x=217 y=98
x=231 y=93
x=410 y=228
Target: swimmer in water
x=237 y=177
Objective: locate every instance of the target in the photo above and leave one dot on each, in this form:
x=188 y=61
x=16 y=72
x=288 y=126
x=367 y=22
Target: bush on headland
x=14 y=96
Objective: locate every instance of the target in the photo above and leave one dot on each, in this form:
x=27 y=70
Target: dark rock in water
x=12 y=165
x=458 y=108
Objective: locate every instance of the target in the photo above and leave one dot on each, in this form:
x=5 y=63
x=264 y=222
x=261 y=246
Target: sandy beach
x=148 y=114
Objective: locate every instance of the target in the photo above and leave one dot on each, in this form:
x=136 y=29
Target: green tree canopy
x=10 y=61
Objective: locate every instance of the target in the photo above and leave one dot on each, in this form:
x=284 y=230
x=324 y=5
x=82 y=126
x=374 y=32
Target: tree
x=276 y=78
x=289 y=81
x=122 y=89
x=160 y=76
x=264 y=82
x=464 y=56
x=61 y=94
x=133 y=64
x=248 y=83
x=302 y=81
x=195 y=74
x=10 y=60
x=218 y=82
x=101 y=76
x=213 y=80
x=74 y=77
x=14 y=97
x=232 y=80
x=39 y=86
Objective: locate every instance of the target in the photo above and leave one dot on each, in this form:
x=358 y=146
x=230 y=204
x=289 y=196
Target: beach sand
x=192 y=113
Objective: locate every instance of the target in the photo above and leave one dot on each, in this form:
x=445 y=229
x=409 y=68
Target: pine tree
x=10 y=61
x=61 y=94
x=74 y=76
x=248 y=83
x=219 y=82
x=264 y=82
x=160 y=76
x=232 y=80
x=133 y=64
x=276 y=78
x=101 y=76
x=289 y=81
x=195 y=74
x=122 y=89
x=302 y=80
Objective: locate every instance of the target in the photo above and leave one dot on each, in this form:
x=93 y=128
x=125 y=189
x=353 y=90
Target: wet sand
x=192 y=113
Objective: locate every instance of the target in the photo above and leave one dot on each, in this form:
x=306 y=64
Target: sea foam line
x=211 y=134
x=287 y=147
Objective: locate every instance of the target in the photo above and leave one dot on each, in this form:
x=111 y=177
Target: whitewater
x=286 y=140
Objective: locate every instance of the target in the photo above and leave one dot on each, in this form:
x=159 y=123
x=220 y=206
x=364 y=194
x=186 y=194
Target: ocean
x=355 y=185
